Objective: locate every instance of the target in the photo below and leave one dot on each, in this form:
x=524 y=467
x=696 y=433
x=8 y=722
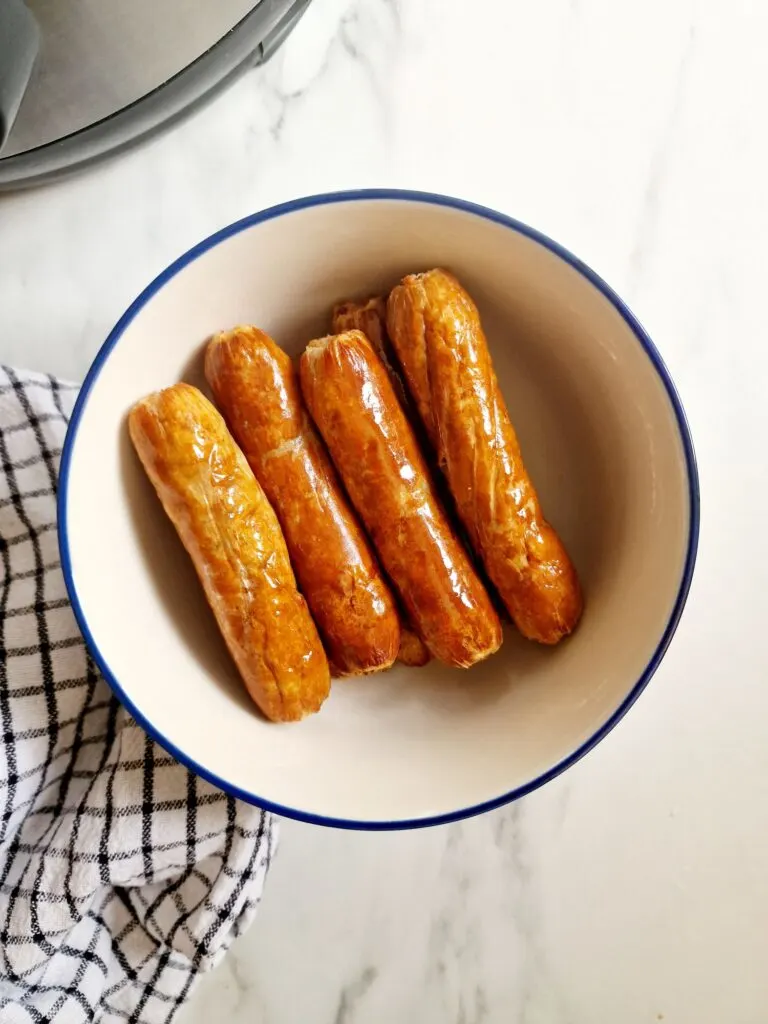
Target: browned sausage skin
x=233 y=538
x=255 y=385
x=370 y=317
x=351 y=399
x=413 y=651
x=435 y=329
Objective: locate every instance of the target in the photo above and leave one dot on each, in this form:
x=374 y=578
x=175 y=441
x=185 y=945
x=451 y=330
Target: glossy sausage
x=413 y=651
x=351 y=399
x=233 y=538
x=435 y=329
x=370 y=317
x=255 y=386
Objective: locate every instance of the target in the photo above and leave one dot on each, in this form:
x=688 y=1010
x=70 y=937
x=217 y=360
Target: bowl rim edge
x=486 y=213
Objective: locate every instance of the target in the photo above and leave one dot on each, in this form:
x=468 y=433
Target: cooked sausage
x=370 y=317
x=351 y=399
x=255 y=386
x=233 y=538
x=413 y=651
x=435 y=329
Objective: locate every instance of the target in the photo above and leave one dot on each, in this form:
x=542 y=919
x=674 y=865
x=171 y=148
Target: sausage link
x=413 y=651
x=351 y=399
x=435 y=329
x=370 y=317
x=233 y=538
x=255 y=386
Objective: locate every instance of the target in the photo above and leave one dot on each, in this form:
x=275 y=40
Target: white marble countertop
x=634 y=889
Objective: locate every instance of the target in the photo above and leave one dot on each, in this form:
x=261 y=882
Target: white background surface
x=634 y=889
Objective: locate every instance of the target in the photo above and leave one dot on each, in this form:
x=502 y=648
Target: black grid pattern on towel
x=122 y=874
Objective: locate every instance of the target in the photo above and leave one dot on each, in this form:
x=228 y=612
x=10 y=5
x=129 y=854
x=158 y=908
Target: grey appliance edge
x=251 y=41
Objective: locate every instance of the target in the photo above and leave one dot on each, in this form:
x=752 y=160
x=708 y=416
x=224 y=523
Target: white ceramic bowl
x=604 y=437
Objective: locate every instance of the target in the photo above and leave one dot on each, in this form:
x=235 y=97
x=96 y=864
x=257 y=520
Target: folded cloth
x=122 y=874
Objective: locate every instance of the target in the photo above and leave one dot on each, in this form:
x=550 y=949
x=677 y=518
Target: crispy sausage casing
x=350 y=397
x=370 y=317
x=435 y=329
x=413 y=651
x=255 y=386
x=233 y=538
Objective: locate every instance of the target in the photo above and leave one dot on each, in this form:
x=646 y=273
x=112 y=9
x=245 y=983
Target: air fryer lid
x=116 y=69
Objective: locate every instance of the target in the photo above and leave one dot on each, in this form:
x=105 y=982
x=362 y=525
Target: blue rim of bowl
x=486 y=213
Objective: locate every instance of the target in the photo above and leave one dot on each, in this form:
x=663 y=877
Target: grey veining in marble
x=634 y=889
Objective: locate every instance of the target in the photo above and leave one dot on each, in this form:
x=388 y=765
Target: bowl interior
x=600 y=438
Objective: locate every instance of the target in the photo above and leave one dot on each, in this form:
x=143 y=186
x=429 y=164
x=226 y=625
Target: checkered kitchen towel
x=122 y=875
